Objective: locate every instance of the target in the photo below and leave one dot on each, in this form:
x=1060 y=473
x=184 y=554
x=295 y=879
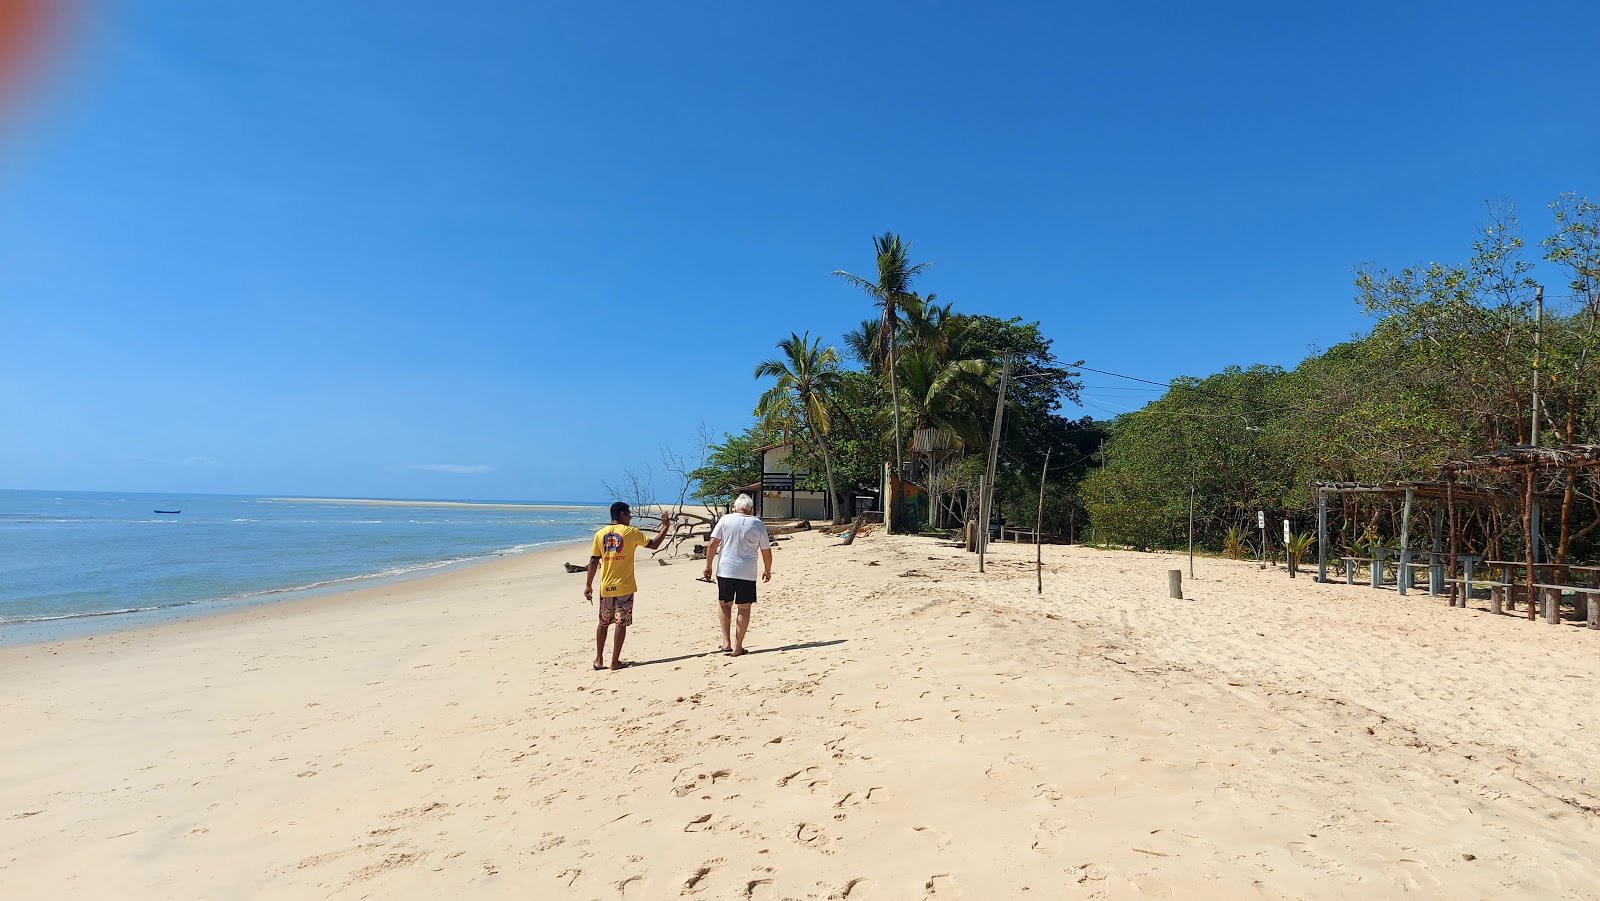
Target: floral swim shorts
x=617 y=610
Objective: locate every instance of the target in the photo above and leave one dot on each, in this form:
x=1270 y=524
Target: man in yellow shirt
x=612 y=557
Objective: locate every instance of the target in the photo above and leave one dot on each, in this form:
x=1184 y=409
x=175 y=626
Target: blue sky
x=505 y=250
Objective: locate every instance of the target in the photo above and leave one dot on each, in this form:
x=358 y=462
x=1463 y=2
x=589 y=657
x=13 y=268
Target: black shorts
x=739 y=591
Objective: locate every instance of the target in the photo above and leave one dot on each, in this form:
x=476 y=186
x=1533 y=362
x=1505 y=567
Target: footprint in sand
x=699 y=822
x=811 y=777
x=855 y=890
x=1413 y=875
x=940 y=837
x=697 y=879
x=941 y=885
x=810 y=836
x=1151 y=886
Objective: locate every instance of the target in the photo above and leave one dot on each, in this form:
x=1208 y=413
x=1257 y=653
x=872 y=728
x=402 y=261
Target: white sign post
x=1261 y=523
x=1286 y=531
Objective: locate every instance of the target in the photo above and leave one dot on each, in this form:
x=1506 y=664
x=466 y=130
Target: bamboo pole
x=1038 y=526
x=1527 y=522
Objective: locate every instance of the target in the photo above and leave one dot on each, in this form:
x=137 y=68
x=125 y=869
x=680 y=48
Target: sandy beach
x=905 y=728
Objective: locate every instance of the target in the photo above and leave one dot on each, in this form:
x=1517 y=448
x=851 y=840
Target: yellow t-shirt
x=614 y=545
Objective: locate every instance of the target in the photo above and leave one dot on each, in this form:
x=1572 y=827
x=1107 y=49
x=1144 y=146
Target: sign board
x=1286 y=531
x=1261 y=519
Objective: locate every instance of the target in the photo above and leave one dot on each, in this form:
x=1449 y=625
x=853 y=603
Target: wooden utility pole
x=1191 y=518
x=1538 y=325
x=986 y=501
x=1038 y=525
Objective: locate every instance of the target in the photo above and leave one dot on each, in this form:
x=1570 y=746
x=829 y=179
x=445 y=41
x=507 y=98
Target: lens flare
x=24 y=28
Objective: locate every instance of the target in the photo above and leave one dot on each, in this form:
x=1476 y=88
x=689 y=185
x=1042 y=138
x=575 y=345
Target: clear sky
x=505 y=250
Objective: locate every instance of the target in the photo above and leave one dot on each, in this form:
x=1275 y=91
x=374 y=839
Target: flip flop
x=739 y=653
x=598 y=667
x=623 y=665
x=723 y=650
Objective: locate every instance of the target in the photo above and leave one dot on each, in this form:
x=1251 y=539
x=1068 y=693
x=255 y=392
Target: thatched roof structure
x=1436 y=490
x=1523 y=457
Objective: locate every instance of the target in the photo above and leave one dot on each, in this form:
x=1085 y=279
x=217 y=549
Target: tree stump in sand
x=855 y=530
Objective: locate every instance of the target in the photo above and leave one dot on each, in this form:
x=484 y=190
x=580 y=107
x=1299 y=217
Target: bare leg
x=722 y=617
x=744 y=624
x=600 y=645
x=616 y=646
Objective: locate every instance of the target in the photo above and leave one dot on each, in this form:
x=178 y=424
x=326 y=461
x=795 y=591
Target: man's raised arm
x=661 y=536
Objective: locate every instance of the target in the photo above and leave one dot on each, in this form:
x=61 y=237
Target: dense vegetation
x=1446 y=372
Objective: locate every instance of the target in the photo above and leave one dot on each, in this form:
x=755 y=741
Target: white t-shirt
x=743 y=537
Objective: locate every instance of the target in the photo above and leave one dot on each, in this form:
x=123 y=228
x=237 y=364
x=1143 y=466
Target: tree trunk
x=894 y=399
x=827 y=468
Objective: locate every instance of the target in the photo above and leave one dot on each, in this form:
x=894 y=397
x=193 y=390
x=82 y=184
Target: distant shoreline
x=393 y=503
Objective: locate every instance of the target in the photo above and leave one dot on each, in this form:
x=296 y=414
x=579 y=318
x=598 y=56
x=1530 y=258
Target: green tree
x=891 y=287
x=799 y=397
x=729 y=466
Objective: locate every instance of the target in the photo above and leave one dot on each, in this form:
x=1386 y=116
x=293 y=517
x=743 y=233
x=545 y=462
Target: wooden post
x=1552 y=606
x=1537 y=538
x=1450 y=502
x=1594 y=609
x=1322 y=535
x=1403 y=571
x=1191 y=520
x=1436 y=570
x=1175 y=583
x=1038 y=525
x=973 y=532
x=1527 y=523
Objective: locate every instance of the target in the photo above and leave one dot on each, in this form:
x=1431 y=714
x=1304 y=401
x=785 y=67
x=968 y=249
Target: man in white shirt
x=739 y=537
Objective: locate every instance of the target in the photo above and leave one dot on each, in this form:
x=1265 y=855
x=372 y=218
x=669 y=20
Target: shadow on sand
x=806 y=645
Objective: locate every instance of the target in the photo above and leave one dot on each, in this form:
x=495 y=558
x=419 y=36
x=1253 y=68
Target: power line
x=1174 y=386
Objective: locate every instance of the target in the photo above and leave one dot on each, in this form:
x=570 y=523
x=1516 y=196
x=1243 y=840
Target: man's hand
x=666 y=519
x=708 y=572
x=766 y=577
x=588 y=593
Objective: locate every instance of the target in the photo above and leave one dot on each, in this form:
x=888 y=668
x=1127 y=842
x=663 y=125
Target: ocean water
x=92 y=561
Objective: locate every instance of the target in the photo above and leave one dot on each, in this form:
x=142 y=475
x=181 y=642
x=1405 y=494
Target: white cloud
x=455 y=468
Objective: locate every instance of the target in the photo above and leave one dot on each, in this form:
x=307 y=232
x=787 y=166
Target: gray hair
x=744 y=504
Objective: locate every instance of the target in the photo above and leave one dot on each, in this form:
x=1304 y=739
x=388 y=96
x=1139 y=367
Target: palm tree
x=896 y=272
x=864 y=345
x=800 y=396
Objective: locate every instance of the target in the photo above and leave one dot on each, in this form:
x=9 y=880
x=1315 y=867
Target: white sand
x=905 y=730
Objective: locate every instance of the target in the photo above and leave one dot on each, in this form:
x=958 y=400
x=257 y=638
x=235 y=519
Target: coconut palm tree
x=892 y=286
x=863 y=344
x=800 y=396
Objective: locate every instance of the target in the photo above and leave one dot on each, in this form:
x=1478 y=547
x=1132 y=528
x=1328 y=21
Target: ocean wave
x=10 y=620
x=394 y=572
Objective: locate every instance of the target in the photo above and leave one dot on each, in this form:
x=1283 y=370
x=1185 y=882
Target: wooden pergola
x=1527 y=462
x=1445 y=493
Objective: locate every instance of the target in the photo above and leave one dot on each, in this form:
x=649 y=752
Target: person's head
x=744 y=504
x=621 y=513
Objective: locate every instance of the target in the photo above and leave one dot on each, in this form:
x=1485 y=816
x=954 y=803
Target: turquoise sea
x=72 y=562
